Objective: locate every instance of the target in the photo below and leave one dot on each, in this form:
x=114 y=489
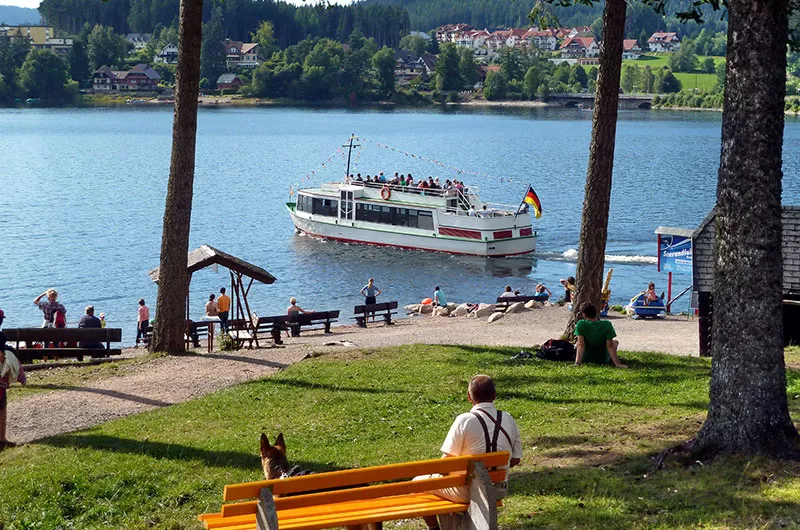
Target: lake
x=83 y=198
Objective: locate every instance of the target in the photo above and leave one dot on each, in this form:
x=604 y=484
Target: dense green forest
x=384 y=23
x=428 y=14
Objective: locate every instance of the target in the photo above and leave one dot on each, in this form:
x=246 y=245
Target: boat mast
x=350 y=145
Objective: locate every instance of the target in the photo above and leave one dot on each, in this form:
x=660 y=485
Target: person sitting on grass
x=596 y=339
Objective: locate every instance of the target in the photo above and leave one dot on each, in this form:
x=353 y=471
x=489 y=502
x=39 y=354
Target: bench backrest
x=513 y=299
x=63 y=334
x=356 y=477
x=369 y=308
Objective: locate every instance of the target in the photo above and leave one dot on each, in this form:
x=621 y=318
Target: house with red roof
x=575 y=47
x=664 y=41
x=543 y=39
x=139 y=78
x=449 y=32
x=240 y=54
x=631 y=49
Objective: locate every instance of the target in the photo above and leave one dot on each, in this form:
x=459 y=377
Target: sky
x=35 y=3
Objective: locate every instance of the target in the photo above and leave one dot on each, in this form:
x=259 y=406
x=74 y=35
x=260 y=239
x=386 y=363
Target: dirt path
x=168 y=380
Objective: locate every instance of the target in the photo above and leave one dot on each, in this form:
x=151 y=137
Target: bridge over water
x=626 y=101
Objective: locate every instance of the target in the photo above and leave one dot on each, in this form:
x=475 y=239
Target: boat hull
x=368 y=234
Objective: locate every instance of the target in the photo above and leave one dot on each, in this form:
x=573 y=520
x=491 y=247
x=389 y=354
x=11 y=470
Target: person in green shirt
x=596 y=339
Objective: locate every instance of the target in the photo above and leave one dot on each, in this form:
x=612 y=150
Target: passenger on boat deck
x=294 y=308
x=472 y=212
x=485 y=212
x=358 y=177
x=403 y=180
x=381 y=177
x=423 y=184
x=369 y=179
x=397 y=176
x=395 y=181
x=459 y=186
x=436 y=181
x=507 y=293
x=431 y=184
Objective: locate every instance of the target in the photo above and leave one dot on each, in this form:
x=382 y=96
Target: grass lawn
x=589 y=435
x=689 y=80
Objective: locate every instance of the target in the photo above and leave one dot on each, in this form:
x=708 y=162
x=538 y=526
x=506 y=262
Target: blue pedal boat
x=654 y=309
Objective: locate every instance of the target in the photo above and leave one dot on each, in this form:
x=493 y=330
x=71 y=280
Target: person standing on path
x=143 y=322
x=370 y=293
x=212 y=309
x=50 y=307
x=224 y=306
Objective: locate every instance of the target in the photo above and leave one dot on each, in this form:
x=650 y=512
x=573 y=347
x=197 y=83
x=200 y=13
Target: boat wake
x=572 y=255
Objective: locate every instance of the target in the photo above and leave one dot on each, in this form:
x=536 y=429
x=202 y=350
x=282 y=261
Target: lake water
x=83 y=196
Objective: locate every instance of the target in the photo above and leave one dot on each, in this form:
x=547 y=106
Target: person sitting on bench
x=596 y=339
x=295 y=309
x=88 y=320
x=483 y=429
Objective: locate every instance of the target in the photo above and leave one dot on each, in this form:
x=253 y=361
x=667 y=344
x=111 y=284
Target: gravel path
x=168 y=380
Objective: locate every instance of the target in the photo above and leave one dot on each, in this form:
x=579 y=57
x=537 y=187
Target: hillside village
x=576 y=45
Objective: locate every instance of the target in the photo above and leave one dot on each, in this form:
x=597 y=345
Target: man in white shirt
x=483 y=429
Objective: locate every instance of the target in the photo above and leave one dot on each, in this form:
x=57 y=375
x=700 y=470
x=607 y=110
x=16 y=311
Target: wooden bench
x=64 y=341
x=504 y=301
x=310 y=321
x=272 y=326
x=367 y=495
x=383 y=309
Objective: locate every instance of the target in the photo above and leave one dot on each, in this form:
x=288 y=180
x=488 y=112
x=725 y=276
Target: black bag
x=557 y=350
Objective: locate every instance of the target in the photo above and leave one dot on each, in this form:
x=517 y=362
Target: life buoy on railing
x=386 y=193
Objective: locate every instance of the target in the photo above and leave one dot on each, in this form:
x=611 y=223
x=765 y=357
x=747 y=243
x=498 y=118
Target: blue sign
x=674 y=253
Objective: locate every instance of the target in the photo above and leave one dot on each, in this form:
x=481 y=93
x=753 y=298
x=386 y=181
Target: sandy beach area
x=164 y=381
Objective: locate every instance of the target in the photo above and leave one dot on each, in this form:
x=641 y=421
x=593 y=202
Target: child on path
x=142 y=322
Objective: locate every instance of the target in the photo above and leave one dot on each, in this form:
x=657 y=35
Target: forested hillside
x=385 y=23
x=428 y=14
x=18 y=15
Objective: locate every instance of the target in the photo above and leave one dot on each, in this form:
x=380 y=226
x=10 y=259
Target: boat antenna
x=350 y=145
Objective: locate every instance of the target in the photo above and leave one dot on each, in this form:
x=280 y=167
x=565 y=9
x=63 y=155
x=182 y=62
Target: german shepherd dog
x=276 y=465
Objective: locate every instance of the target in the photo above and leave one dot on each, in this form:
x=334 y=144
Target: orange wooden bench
x=356 y=497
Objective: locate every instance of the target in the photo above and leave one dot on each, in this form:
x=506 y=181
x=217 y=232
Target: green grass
x=589 y=434
x=689 y=80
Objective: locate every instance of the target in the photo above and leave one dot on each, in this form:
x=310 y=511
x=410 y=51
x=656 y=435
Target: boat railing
x=492 y=210
x=428 y=192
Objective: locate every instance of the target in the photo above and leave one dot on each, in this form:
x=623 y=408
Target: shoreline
x=167 y=380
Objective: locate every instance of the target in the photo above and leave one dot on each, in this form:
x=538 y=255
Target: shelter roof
x=206 y=255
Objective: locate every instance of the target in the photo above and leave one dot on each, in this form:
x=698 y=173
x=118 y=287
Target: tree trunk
x=748 y=412
x=597 y=198
x=173 y=281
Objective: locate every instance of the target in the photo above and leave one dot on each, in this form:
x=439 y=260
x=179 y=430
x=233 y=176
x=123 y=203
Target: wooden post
x=482 y=511
x=266 y=515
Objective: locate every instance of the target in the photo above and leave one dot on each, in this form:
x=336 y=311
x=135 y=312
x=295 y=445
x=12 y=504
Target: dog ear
x=280 y=445
x=265 y=446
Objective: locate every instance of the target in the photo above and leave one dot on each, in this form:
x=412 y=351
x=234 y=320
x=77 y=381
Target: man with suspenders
x=483 y=429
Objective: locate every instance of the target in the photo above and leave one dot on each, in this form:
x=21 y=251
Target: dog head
x=273 y=457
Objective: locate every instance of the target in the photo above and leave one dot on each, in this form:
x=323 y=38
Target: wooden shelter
x=207 y=256
x=703 y=243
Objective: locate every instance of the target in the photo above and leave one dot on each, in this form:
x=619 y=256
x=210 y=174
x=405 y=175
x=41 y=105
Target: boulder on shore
x=425 y=308
x=516 y=307
x=484 y=310
x=494 y=317
x=413 y=308
x=451 y=306
x=441 y=312
x=461 y=311
x=530 y=304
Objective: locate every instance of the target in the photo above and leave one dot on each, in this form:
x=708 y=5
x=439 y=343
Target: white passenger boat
x=451 y=221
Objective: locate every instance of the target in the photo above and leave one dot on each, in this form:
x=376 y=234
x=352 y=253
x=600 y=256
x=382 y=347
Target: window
x=425 y=220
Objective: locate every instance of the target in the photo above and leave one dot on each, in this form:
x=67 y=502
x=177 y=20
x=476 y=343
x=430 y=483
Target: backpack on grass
x=557 y=350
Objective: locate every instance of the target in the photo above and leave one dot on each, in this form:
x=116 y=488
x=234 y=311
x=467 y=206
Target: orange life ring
x=386 y=193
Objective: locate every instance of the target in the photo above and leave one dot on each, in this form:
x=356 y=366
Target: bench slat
x=348 y=513
x=63 y=334
x=351 y=477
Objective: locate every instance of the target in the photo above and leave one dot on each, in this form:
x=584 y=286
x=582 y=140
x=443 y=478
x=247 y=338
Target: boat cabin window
x=375 y=213
x=324 y=207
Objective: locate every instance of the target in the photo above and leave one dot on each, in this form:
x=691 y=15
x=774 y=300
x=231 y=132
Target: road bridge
x=626 y=101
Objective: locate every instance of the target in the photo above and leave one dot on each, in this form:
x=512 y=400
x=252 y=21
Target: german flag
x=533 y=199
